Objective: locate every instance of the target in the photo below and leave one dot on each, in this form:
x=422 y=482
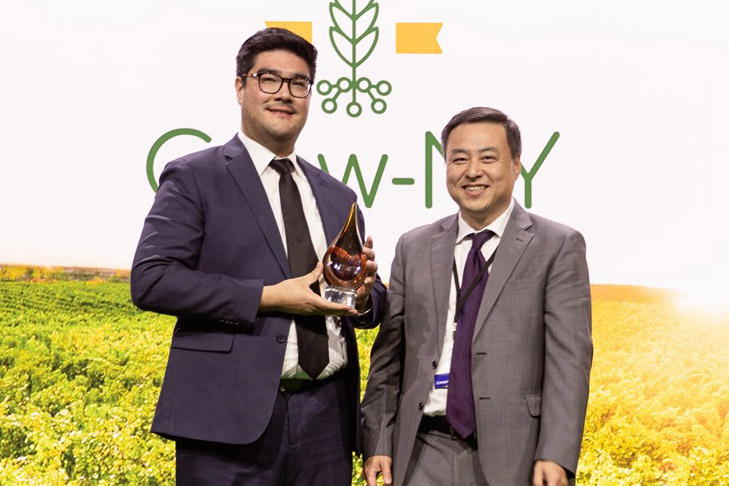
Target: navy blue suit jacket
x=209 y=245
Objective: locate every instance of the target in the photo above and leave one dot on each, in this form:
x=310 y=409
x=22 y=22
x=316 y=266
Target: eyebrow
x=485 y=149
x=276 y=71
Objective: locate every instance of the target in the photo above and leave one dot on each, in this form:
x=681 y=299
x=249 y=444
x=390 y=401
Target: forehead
x=479 y=135
x=281 y=61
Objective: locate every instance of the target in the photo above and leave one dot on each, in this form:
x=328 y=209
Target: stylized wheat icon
x=353 y=34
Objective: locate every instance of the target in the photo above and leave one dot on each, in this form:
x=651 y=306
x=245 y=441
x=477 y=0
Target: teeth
x=475 y=188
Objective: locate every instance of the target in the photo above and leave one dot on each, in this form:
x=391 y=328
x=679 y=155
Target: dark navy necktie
x=460 y=408
x=311 y=331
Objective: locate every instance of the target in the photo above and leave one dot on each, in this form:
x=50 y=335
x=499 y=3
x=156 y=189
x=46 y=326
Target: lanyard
x=461 y=299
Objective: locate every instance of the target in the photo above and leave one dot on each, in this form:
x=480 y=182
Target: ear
x=239 y=89
x=517 y=168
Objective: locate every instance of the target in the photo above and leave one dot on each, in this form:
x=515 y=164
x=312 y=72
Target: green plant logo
x=354 y=37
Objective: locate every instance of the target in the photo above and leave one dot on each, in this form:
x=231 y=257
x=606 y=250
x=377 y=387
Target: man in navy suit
x=246 y=396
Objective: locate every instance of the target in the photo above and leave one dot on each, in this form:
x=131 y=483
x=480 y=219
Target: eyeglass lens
x=271 y=83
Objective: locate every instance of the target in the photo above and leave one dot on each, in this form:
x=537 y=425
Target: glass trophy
x=344 y=263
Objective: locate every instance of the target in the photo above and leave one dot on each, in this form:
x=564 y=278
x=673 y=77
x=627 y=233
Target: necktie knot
x=282 y=166
x=478 y=239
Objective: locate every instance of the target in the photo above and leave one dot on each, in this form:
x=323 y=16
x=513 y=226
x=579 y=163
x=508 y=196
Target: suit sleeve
x=382 y=394
x=568 y=355
x=164 y=274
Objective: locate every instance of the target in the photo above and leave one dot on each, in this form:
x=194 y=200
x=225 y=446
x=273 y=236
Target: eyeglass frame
x=283 y=79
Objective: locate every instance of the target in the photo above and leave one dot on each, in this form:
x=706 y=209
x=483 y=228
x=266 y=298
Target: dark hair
x=271 y=40
x=480 y=114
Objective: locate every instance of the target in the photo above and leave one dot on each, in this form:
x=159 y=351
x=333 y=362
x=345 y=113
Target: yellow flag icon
x=302 y=29
x=417 y=38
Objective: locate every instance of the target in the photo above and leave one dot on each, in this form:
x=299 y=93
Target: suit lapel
x=511 y=247
x=241 y=167
x=333 y=212
x=441 y=258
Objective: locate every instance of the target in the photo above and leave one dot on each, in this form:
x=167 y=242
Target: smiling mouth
x=475 y=188
x=279 y=111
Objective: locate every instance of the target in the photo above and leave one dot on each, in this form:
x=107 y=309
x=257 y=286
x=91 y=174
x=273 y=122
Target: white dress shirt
x=436 y=404
x=261 y=157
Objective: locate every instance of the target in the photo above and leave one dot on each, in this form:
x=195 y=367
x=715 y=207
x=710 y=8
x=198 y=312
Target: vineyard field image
x=81 y=367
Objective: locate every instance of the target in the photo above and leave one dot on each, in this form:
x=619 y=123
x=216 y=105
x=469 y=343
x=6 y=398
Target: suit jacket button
x=281 y=338
x=435 y=364
x=421 y=406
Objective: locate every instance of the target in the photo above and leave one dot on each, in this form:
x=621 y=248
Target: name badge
x=441 y=381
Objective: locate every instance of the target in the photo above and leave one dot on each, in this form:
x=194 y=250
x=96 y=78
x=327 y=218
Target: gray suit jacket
x=532 y=348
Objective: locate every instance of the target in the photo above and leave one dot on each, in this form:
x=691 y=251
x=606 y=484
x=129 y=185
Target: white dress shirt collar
x=497 y=226
x=261 y=156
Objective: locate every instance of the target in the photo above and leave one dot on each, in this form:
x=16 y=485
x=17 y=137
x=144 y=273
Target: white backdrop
x=637 y=90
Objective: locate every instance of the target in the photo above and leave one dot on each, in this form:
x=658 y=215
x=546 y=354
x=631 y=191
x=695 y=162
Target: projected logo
x=354 y=37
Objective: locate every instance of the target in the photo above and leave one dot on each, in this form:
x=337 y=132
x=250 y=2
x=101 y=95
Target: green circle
x=161 y=141
x=322 y=89
x=379 y=106
x=354 y=109
x=364 y=84
x=384 y=88
x=329 y=105
x=344 y=84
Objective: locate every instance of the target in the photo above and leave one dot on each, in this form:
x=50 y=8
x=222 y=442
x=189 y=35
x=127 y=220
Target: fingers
x=370 y=478
x=371 y=264
x=319 y=305
x=368 y=250
x=332 y=309
x=369 y=472
x=371 y=267
x=386 y=473
x=297 y=297
x=537 y=478
x=377 y=465
x=548 y=473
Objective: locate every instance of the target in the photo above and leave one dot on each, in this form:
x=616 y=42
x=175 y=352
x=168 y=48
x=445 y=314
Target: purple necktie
x=460 y=408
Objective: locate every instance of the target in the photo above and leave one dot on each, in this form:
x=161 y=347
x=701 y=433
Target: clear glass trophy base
x=339 y=295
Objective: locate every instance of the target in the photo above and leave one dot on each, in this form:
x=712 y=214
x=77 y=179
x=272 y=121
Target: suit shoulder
x=548 y=230
x=427 y=231
x=202 y=167
x=200 y=159
x=545 y=225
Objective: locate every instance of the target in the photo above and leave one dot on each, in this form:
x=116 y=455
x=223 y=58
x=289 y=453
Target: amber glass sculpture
x=344 y=263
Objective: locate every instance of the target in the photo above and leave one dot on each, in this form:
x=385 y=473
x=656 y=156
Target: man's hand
x=294 y=296
x=548 y=473
x=363 y=293
x=376 y=465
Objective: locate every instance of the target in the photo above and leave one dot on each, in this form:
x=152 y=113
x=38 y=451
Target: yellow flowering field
x=80 y=369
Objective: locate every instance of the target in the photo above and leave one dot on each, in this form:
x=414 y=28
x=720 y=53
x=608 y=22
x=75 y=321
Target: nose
x=285 y=91
x=473 y=168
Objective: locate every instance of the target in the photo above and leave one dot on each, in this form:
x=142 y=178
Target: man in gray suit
x=480 y=371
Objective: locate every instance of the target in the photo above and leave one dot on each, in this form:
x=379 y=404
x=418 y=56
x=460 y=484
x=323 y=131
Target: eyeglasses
x=270 y=83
